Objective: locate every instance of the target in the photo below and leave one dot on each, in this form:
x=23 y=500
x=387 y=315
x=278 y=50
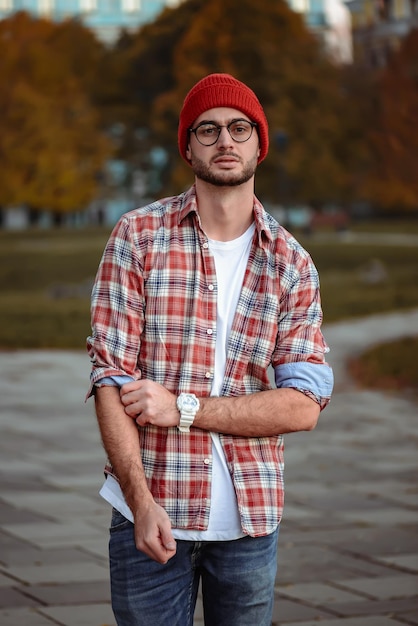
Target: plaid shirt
x=154 y=317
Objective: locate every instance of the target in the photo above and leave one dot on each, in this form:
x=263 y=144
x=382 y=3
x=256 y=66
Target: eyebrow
x=234 y=119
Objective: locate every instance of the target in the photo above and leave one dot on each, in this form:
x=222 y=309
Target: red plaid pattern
x=154 y=316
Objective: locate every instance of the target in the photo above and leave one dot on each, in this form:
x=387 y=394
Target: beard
x=223 y=179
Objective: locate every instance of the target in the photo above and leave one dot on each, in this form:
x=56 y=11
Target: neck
x=225 y=212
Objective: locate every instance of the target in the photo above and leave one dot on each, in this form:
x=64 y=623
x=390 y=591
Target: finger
x=166 y=537
x=131 y=386
x=133 y=409
x=127 y=397
x=156 y=551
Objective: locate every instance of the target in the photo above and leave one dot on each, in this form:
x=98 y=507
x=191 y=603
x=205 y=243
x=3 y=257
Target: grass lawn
x=45 y=284
x=391 y=366
x=361 y=279
x=46 y=278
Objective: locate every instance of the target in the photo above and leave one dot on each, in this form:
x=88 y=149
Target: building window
x=6 y=5
x=131 y=6
x=88 y=6
x=300 y=6
x=45 y=7
x=399 y=9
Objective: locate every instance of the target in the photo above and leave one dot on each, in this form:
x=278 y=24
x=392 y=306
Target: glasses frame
x=219 y=127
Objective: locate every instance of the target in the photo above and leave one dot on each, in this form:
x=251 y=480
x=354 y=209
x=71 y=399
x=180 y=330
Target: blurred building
x=330 y=21
x=378 y=26
x=326 y=18
x=105 y=17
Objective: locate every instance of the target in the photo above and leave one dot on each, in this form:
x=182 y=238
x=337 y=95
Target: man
x=195 y=297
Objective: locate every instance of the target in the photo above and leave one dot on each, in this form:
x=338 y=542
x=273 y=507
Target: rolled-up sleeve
x=113 y=381
x=315 y=380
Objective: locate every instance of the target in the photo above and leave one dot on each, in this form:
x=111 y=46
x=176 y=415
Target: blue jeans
x=237 y=581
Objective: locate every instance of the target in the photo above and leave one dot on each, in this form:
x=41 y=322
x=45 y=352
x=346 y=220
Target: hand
x=153 y=534
x=150 y=403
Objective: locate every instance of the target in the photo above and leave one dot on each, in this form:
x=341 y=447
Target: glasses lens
x=207 y=134
x=240 y=130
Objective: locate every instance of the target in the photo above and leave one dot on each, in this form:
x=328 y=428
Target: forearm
x=121 y=441
x=262 y=414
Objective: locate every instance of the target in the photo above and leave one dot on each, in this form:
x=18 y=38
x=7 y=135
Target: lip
x=225 y=159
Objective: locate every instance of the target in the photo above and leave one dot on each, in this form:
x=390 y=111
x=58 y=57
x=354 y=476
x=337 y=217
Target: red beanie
x=221 y=90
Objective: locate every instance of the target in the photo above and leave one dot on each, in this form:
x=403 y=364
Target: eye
x=207 y=130
x=239 y=127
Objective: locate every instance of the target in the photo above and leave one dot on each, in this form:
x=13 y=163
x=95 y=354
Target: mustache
x=226 y=154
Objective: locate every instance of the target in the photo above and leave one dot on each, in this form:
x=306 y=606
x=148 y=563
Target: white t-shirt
x=231 y=258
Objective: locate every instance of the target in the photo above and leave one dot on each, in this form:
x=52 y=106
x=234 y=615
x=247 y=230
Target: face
x=227 y=163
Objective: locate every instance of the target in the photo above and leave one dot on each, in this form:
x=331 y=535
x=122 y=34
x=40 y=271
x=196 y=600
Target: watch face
x=189 y=402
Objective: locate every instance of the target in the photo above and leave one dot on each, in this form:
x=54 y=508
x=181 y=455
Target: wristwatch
x=188 y=405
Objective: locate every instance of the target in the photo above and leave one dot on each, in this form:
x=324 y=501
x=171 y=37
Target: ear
x=188 y=153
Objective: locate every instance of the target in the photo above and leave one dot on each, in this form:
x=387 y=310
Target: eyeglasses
x=207 y=133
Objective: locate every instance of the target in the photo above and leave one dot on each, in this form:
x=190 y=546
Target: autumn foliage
x=337 y=134
x=393 y=136
x=51 y=149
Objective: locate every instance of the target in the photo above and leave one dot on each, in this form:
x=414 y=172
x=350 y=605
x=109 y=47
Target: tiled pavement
x=348 y=549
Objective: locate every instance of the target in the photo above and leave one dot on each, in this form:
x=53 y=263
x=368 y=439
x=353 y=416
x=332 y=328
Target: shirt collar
x=189 y=205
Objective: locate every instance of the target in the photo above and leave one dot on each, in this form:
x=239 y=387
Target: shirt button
x=206 y=461
x=205 y=245
x=211 y=287
x=208 y=375
x=209 y=331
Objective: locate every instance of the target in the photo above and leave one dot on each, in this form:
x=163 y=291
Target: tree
x=139 y=71
x=51 y=149
x=267 y=46
x=392 y=184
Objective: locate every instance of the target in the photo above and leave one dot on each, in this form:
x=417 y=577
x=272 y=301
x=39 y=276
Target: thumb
x=167 y=539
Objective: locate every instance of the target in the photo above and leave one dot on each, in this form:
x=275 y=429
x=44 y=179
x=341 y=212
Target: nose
x=224 y=138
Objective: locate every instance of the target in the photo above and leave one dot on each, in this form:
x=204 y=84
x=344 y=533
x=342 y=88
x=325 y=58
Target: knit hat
x=221 y=90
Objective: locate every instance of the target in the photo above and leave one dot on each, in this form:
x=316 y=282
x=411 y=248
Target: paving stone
x=11 y=515
x=84 y=481
x=380 y=517
x=328 y=559
x=64 y=457
x=404 y=607
x=21 y=467
x=16 y=482
x=66 y=572
x=389 y=490
x=95 y=592
x=320 y=594
x=23 y=554
x=362 y=540
x=295 y=512
x=335 y=503
x=56 y=504
x=11 y=597
x=355 y=621
x=97 y=547
x=53 y=534
x=5 y=581
x=401 y=586
x=24 y=617
x=286 y=610
x=86 y=615
x=403 y=561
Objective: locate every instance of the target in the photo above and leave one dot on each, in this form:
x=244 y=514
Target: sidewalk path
x=348 y=550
